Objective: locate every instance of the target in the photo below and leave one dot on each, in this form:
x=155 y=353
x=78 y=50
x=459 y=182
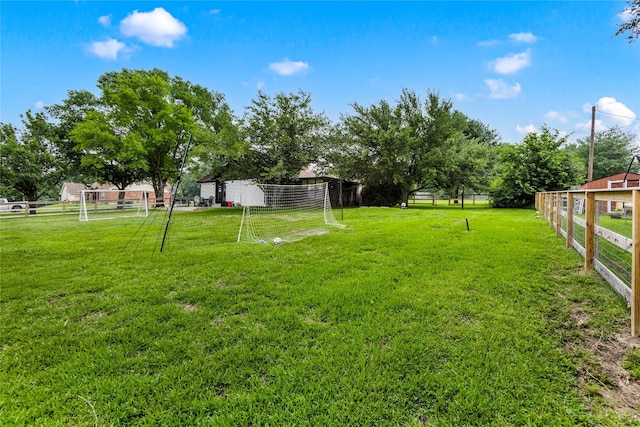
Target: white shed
x=209 y=189
x=244 y=192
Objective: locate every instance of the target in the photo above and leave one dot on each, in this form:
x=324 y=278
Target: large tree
x=62 y=119
x=139 y=124
x=413 y=144
x=283 y=134
x=30 y=165
x=538 y=163
x=613 y=150
x=109 y=152
x=632 y=23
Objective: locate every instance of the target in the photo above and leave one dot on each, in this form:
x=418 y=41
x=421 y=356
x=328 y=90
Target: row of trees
x=138 y=125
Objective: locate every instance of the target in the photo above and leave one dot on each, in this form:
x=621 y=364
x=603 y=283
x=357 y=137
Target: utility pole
x=591 y=146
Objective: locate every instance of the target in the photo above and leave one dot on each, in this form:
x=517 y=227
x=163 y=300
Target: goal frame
x=118 y=207
x=319 y=210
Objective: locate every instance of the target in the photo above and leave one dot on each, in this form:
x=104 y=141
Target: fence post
x=589 y=231
x=635 y=265
x=569 y=220
x=558 y=213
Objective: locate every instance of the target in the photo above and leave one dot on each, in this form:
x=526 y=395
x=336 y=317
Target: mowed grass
x=402 y=318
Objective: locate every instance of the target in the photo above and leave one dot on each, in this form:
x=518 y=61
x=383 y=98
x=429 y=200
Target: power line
x=585 y=123
x=618 y=115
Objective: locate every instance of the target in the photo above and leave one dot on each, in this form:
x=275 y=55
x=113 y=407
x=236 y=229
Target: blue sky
x=513 y=65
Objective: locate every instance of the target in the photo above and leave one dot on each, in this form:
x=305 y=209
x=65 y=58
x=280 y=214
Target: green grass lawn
x=402 y=318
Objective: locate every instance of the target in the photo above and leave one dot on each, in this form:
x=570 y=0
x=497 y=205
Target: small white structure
x=209 y=189
x=244 y=192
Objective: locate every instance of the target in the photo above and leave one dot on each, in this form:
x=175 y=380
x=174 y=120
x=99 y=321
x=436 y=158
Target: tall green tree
x=612 y=152
x=538 y=163
x=632 y=25
x=465 y=167
x=283 y=134
x=62 y=119
x=413 y=144
x=109 y=152
x=139 y=124
x=30 y=165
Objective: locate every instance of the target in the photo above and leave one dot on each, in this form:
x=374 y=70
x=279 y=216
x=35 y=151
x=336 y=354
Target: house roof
x=633 y=180
x=208 y=178
x=75 y=187
x=308 y=173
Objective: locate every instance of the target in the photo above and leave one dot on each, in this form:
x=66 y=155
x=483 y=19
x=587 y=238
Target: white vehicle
x=5 y=205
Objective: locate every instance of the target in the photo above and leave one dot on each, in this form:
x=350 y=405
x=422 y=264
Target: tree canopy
x=30 y=165
x=138 y=126
x=415 y=144
x=632 y=24
x=283 y=135
x=538 y=163
x=612 y=152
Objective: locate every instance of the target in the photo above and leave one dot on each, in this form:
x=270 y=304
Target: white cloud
x=288 y=67
x=557 y=116
x=512 y=63
x=460 y=97
x=260 y=85
x=528 y=38
x=108 y=49
x=625 y=15
x=156 y=28
x=609 y=113
x=105 y=20
x=214 y=12
x=434 y=40
x=501 y=89
x=488 y=43
x=585 y=127
x=615 y=112
x=524 y=130
x=39 y=105
x=600 y=126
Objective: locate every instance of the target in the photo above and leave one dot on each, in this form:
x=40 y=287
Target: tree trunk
x=120 y=205
x=158 y=188
x=405 y=197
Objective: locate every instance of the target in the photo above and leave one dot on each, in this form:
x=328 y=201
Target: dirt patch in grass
x=600 y=359
x=610 y=354
x=189 y=307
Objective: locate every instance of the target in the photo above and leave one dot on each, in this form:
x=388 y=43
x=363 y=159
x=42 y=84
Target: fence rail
x=40 y=208
x=433 y=199
x=604 y=227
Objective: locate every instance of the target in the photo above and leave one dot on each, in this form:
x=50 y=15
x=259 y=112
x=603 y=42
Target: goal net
x=110 y=204
x=285 y=212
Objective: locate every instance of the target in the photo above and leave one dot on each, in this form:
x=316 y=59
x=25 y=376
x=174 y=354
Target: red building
x=609 y=182
x=613 y=181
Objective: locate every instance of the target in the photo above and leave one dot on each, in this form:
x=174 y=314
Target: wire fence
x=604 y=227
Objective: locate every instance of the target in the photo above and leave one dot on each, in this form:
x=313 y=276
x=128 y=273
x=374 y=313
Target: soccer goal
x=285 y=213
x=110 y=204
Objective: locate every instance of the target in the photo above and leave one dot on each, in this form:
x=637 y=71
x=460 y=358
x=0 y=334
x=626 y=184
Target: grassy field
x=402 y=318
